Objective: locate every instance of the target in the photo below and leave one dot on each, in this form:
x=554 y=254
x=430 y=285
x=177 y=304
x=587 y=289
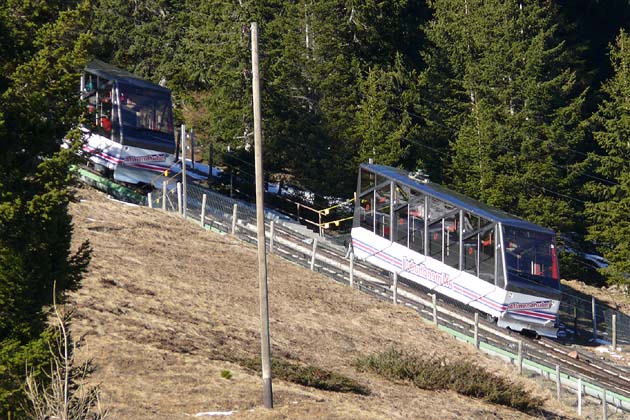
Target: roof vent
x=419 y=175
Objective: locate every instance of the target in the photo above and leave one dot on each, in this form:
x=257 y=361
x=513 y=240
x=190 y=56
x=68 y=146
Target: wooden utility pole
x=260 y=222
x=184 y=192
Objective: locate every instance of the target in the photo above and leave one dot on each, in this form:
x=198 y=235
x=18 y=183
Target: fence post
x=164 y=185
x=434 y=302
x=614 y=332
x=271 y=235
x=234 y=213
x=476 y=333
x=150 y=200
x=395 y=294
x=604 y=406
x=579 y=392
x=351 y=269
x=520 y=357
x=313 y=255
x=558 y=384
x=179 y=198
x=594 y=309
x=319 y=217
x=202 y=217
x=192 y=147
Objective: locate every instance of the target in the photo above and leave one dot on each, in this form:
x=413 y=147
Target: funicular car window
x=368 y=180
x=105 y=117
x=382 y=204
x=451 y=239
x=416 y=221
x=401 y=214
x=487 y=244
x=471 y=237
x=440 y=221
x=530 y=256
x=146 y=109
x=366 y=211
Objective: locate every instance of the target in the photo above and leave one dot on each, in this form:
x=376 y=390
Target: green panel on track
x=110 y=187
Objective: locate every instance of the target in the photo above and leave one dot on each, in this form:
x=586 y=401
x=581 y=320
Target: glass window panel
x=401 y=217
x=146 y=109
x=531 y=255
x=380 y=180
x=442 y=218
x=471 y=243
x=435 y=240
x=416 y=221
x=438 y=209
x=366 y=211
x=471 y=255
x=487 y=255
x=368 y=180
x=382 y=208
x=104 y=116
x=451 y=240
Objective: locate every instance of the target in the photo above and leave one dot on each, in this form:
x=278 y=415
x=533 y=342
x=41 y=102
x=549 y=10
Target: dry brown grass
x=166 y=306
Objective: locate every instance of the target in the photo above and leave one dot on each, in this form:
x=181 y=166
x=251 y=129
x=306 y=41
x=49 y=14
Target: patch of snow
x=214 y=413
x=273 y=187
x=597 y=260
x=109 y=197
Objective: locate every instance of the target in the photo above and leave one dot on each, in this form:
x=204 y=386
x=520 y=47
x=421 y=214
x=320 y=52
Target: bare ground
x=165 y=306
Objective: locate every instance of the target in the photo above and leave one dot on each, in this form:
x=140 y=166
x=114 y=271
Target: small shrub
x=438 y=374
x=310 y=376
x=226 y=374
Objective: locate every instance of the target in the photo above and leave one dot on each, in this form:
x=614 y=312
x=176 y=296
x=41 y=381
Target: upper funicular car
x=130 y=124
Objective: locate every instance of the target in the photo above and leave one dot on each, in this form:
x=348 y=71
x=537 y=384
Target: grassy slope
x=166 y=307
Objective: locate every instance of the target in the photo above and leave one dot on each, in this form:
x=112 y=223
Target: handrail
x=326 y=211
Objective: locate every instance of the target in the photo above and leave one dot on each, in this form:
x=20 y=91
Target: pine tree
x=319 y=58
x=513 y=138
x=384 y=124
x=38 y=106
x=609 y=214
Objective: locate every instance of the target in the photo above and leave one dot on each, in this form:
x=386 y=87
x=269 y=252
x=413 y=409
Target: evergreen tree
x=384 y=124
x=514 y=137
x=610 y=213
x=38 y=106
x=318 y=61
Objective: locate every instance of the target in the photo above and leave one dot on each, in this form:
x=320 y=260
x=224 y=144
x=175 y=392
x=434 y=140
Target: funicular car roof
x=107 y=71
x=456 y=199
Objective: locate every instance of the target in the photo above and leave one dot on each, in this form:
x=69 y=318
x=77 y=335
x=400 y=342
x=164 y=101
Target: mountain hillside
x=169 y=312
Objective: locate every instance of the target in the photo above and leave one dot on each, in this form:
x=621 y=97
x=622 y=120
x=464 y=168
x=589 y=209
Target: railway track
x=332 y=261
x=605 y=374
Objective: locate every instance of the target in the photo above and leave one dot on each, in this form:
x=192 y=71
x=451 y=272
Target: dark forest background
x=522 y=104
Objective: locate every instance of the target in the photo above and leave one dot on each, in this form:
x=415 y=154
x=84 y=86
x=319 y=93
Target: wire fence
x=217 y=206
x=589 y=319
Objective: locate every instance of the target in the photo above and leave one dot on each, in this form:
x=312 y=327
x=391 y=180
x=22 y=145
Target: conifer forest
x=522 y=104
